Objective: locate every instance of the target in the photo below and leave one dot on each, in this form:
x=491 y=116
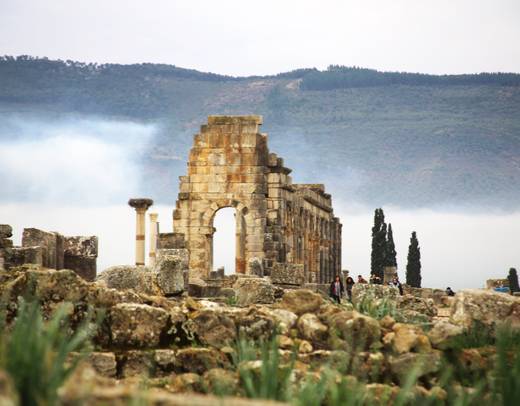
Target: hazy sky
x=270 y=36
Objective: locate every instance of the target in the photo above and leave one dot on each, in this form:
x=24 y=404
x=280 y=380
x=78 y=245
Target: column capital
x=140 y=203
x=153 y=216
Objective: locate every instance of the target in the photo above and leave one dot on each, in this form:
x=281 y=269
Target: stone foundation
x=49 y=250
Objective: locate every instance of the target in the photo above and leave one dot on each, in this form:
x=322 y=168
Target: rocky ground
x=261 y=342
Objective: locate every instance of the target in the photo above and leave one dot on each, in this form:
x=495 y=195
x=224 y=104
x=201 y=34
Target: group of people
x=337 y=289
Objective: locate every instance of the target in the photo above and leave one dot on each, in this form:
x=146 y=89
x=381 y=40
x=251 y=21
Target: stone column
x=140 y=206
x=154 y=231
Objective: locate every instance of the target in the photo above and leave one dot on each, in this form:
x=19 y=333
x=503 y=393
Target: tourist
x=450 y=292
x=360 y=279
x=350 y=284
x=336 y=289
x=396 y=283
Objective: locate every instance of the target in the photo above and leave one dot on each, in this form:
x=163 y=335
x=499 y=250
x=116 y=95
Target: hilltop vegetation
x=376 y=137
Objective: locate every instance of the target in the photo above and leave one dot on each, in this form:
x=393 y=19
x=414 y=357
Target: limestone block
x=137 y=325
x=255 y=267
x=170 y=240
x=84 y=265
x=250 y=290
x=288 y=274
x=17 y=256
x=6 y=231
x=487 y=307
x=139 y=278
x=6 y=243
x=104 y=363
x=172 y=270
x=33 y=237
x=81 y=246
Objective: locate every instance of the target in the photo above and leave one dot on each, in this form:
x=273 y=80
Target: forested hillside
x=373 y=137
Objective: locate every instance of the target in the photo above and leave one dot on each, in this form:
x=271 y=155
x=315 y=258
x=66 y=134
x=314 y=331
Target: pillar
x=154 y=231
x=140 y=206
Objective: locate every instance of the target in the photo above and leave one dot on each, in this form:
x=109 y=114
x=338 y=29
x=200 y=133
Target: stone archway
x=240 y=214
x=282 y=229
x=226 y=168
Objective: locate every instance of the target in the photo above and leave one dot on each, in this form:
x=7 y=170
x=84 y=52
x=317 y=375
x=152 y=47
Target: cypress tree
x=513 y=280
x=413 y=268
x=390 y=253
x=378 y=243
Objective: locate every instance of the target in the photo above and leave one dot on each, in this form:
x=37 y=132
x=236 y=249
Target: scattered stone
x=486 y=307
x=138 y=278
x=134 y=363
x=288 y=274
x=172 y=270
x=165 y=359
x=312 y=328
x=104 y=363
x=187 y=382
x=137 y=325
x=6 y=231
x=214 y=328
x=255 y=267
x=409 y=338
x=221 y=382
x=420 y=364
x=301 y=301
x=253 y=290
x=200 y=360
x=360 y=291
x=443 y=334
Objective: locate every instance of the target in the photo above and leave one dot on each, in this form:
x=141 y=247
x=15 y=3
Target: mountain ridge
x=377 y=137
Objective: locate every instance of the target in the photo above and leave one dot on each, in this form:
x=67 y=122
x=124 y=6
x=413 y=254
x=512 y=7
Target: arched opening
x=224 y=240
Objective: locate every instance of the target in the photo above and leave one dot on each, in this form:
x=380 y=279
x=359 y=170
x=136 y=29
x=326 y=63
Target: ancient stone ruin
x=49 y=250
x=283 y=230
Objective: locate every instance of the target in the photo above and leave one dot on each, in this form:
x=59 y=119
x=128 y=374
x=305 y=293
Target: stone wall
x=50 y=250
x=280 y=226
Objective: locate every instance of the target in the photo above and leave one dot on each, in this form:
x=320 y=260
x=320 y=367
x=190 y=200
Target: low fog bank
x=74 y=175
x=71 y=161
x=458 y=250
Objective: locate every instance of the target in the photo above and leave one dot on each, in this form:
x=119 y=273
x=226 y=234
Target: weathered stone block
x=251 y=290
x=33 y=237
x=6 y=231
x=139 y=278
x=255 y=267
x=86 y=246
x=170 y=241
x=137 y=325
x=23 y=255
x=288 y=274
x=172 y=270
x=84 y=266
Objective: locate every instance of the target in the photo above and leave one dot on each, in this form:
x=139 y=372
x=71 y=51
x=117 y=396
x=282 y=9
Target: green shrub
x=272 y=379
x=35 y=353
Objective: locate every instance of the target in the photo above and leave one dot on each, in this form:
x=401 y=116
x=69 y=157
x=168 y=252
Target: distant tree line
x=342 y=77
x=27 y=62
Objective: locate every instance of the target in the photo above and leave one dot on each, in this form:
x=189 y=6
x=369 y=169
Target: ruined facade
x=49 y=250
x=284 y=230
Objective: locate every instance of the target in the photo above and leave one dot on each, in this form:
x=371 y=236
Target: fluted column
x=140 y=206
x=154 y=230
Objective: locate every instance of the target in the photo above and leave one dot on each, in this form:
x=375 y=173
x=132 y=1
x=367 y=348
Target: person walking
x=336 y=289
x=350 y=284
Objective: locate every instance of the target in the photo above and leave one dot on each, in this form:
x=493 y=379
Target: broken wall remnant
x=50 y=250
x=280 y=226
